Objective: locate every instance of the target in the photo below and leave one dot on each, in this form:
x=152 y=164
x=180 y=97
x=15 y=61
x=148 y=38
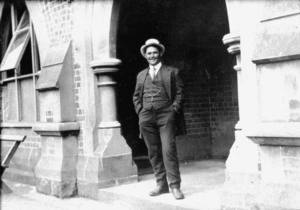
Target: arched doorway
x=192 y=33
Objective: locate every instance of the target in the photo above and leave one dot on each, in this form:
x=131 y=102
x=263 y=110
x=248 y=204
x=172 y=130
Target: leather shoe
x=159 y=190
x=177 y=193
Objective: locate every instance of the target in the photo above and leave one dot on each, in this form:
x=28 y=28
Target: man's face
x=153 y=55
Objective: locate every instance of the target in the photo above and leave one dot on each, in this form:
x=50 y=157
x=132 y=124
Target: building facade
x=262 y=170
x=68 y=71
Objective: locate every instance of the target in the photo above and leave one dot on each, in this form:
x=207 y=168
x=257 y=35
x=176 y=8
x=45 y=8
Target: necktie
x=152 y=73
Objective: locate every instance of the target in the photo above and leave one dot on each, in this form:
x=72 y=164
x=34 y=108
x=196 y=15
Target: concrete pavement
x=202 y=183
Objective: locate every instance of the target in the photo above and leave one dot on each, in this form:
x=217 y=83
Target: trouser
x=159 y=132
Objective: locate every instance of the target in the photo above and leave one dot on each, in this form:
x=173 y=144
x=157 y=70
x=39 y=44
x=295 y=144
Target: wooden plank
x=17 y=139
x=4 y=189
x=10 y=154
x=12 y=138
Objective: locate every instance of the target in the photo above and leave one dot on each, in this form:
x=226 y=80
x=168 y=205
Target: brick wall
x=211 y=104
x=197 y=104
x=1 y=114
x=223 y=111
x=211 y=109
x=59 y=20
x=80 y=113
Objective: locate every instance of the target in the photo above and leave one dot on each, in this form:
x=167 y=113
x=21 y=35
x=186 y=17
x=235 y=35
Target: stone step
x=129 y=202
x=202 y=186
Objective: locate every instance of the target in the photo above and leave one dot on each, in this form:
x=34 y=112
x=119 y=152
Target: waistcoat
x=155 y=95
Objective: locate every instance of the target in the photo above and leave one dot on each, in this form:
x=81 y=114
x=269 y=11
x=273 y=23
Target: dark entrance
x=192 y=33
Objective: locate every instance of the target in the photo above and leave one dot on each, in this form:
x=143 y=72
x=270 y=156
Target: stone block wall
x=262 y=170
x=275 y=184
x=26 y=157
x=291 y=163
x=60 y=21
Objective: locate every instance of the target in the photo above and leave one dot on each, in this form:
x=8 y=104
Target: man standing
x=158 y=99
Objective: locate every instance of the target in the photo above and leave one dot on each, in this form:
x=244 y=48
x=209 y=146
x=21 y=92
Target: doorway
x=192 y=33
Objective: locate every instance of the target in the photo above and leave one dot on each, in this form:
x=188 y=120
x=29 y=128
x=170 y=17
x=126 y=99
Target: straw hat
x=152 y=42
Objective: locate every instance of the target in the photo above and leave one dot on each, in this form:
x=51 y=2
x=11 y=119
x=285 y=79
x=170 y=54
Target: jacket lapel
x=166 y=76
x=143 y=78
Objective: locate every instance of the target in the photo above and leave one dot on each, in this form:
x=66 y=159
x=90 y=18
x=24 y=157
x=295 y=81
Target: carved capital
x=233 y=41
x=109 y=65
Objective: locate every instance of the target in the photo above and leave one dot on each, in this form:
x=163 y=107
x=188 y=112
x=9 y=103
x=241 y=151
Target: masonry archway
x=192 y=33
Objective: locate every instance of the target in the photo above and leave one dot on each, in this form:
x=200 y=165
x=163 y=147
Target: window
x=19 y=65
x=17 y=45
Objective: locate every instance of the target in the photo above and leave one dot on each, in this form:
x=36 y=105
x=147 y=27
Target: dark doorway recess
x=192 y=33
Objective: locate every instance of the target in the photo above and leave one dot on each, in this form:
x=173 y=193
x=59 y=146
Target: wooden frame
x=15 y=50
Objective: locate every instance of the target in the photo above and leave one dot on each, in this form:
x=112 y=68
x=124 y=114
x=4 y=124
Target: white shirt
x=156 y=67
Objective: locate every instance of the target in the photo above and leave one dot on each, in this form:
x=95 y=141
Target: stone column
x=242 y=164
x=116 y=162
x=233 y=40
x=111 y=163
x=276 y=56
x=241 y=143
x=105 y=72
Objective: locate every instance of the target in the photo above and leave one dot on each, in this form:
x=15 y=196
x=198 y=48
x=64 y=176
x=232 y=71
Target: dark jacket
x=175 y=90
